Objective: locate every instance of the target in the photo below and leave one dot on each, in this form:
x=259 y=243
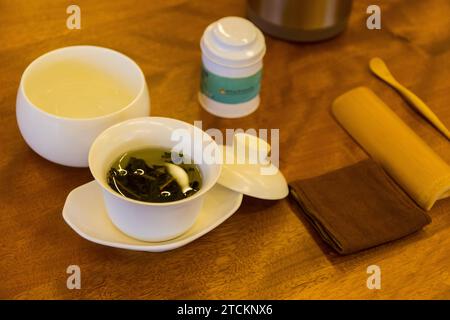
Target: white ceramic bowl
x=66 y=140
x=144 y=220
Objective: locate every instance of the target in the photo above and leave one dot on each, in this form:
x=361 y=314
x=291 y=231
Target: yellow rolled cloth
x=388 y=140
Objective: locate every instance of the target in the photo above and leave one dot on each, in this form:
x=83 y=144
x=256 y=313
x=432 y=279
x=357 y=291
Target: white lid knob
x=233 y=42
x=234 y=31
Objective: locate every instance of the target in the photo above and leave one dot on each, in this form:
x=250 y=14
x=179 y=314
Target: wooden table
x=264 y=250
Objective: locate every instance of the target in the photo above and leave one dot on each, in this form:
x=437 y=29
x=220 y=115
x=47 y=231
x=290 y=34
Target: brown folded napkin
x=357 y=207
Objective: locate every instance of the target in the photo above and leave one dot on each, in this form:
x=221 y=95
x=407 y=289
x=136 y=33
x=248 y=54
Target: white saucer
x=85 y=213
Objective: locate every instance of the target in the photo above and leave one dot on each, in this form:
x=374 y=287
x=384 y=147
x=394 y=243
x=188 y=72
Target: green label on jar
x=230 y=90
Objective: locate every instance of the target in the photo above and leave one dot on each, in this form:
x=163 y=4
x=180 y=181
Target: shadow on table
x=253 y=205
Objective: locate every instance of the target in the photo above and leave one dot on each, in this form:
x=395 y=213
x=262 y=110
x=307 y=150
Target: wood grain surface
x=265 y=250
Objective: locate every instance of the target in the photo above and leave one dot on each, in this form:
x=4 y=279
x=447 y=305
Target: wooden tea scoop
x=380 y=69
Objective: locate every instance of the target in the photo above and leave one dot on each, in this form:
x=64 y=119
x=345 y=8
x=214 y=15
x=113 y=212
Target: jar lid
x=234 y=42
x=260 y=180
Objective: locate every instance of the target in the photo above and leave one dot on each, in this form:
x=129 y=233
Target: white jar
x=232 y=52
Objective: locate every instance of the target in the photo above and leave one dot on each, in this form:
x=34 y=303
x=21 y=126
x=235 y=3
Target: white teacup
x=145 y=220
x=66 y=138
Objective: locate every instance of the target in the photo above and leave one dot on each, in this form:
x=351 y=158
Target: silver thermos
x=300 y=20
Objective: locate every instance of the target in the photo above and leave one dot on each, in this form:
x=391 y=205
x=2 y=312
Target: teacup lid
x=247 y=169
